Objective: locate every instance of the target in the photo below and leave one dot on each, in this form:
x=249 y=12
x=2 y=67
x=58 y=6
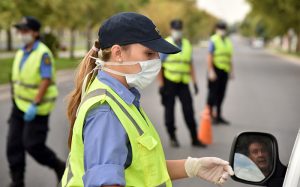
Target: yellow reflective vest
x=148 y=167
x=177 y=67
x=222 y=53
x=26 y=81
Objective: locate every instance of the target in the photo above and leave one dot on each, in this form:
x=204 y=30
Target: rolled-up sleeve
x=105 y=148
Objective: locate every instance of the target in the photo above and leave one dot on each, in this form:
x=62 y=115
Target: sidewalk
x=289 y=58
x=62 y=77
x=7 y=55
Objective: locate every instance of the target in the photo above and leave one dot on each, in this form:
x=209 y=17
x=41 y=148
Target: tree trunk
x=298 y=43
x=8 y=40
x=289 y=38
x=89 y=37
x=281 y=42
x=72 y=43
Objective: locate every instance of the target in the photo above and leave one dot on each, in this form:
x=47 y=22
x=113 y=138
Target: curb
x=289 y=58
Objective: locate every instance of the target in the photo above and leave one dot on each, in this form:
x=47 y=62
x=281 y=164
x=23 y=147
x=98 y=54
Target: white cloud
x=229 y=10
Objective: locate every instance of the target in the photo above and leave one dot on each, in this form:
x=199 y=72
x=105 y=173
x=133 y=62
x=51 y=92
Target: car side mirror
x=253 y=157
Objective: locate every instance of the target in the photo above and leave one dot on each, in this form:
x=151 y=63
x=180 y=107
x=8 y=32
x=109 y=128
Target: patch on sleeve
x=47 y=60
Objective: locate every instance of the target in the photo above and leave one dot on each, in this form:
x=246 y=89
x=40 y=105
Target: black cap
x=29 y=22
x=176 y=24
x=129 y=28
x=221 y=25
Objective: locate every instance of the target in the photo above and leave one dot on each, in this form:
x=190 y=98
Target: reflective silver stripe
x=31 y=86
x=163 y=185
x=98 y=92
x=140 y=131
x=178 y=72
x=177 y=61
x=93 y=93
x=45 y=100
x=26 y=85
x=70 y=174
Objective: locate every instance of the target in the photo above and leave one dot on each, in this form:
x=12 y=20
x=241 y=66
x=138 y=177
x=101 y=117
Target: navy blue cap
x=29 y=22
x=129 y=28
x=176 y=24
x=221 y=25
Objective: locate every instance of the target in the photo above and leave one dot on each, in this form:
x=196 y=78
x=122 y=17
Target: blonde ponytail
x=85 y=67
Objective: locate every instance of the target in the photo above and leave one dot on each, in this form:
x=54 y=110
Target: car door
x=292 y=177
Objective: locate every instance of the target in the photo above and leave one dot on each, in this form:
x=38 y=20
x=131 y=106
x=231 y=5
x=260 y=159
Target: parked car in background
x=258 y=43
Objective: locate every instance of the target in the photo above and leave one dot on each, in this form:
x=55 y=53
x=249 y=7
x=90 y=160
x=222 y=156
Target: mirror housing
x=249 y=169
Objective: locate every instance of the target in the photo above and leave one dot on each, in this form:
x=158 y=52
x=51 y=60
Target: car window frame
x=292 y=177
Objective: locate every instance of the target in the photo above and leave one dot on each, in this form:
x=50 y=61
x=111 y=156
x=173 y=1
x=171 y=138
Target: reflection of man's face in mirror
x=258 y=153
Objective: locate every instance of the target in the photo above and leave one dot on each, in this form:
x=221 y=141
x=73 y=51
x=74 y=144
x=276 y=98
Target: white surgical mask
x=221 y=32
x=140 y=80
x=26 y=38
x=176 y=34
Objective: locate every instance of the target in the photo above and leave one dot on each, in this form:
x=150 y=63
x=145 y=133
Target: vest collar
x=221 y=37
x=34 y=47
x=178 y=44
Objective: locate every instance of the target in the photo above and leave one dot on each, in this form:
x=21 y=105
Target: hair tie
x=95 y=49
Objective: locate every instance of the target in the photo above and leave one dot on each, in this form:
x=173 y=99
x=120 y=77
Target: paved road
x=263 y=97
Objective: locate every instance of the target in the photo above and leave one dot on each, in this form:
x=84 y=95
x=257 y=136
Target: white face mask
x=26 y=38
x=176 y=34
x=221 y=32
x=140 y=80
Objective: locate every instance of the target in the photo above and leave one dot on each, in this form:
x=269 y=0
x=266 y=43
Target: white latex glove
x=211 y=169
x=212 y=76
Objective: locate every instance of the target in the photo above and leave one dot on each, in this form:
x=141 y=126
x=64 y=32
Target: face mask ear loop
x=122 y=64
x=113 y=71
x=85 y=84
x=99 y=63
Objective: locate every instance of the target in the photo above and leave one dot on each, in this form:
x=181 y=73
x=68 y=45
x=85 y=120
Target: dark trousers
x=171 y=90
x=27 y=137
x=216 y=91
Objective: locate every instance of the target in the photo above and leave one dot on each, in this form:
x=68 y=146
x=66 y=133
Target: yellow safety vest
x=177 y=67
x=26 y=81
x=148 y=166
x=223 y=52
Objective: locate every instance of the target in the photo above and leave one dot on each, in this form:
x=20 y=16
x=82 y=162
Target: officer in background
x=174 y=79
x=220 y=68
x=34 y=94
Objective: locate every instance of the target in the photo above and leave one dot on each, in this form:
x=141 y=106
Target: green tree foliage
x=273 y=17
x=51 y=41
x=7 y=15
x=197 y=23
x=86 y=16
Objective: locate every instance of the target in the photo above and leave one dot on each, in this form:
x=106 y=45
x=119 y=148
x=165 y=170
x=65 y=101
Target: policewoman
x=34 y=93
x=112 y=141
x=177 y=72
x=220 y=69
